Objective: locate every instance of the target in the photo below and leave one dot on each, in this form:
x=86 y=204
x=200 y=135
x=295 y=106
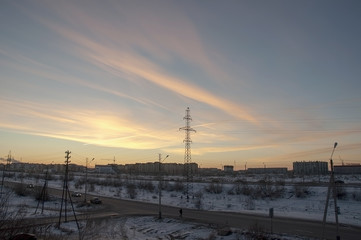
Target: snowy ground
x=310 y=207
x=135 y=228
x=151 y=228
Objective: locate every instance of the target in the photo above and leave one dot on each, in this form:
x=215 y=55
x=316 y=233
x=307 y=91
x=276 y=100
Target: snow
x=310 y=206
x=151 y=228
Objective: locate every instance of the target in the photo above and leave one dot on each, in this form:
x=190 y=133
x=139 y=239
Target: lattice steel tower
x=187 y=153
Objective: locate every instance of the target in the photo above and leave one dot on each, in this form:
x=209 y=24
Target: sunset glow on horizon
x=267 y=82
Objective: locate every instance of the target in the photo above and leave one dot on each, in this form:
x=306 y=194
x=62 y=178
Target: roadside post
x=271 y=216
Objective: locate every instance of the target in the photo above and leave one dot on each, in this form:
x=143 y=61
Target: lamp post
x=160 y=186
x=331 y=185
x=86 y=178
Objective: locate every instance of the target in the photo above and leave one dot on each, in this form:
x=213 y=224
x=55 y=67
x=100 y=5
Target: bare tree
x=11 y=220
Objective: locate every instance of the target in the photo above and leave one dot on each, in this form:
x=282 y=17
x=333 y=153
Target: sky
x=267 y=83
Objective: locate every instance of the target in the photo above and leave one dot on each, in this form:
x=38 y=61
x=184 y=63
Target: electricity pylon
x=187 y=152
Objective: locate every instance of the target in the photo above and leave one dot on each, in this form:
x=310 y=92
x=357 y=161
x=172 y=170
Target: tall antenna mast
x=187 y=153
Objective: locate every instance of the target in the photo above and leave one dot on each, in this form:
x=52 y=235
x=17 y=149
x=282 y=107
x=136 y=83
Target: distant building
x=310 y=168
x=76 y=168
x=347 y=169
x=228 y=168
x=209 y=171
x=104 y=169
x=267 y=170
x=164 y=168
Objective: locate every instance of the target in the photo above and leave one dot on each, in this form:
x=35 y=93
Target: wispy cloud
x=134 y=64
x=314 y=154
x=92 y=126
x=117 y=54
x=126 y=59
x=198 y=151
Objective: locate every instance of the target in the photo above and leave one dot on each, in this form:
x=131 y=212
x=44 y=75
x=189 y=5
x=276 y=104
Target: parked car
x=95 y=200
x=76 y=194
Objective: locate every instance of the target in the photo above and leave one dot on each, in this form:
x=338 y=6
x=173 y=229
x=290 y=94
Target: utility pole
x=86 y=178
x=8 y=162
x=43 y=193
x=333 y=186
x=187 y=153
x=66 y=193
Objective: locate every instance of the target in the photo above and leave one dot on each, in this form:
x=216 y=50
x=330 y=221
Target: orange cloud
x=88 y=126
x=118 y=55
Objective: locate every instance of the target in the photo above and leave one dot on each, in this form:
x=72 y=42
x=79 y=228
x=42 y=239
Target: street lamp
x=160 y=185
x=331 y=185
x=86 y=178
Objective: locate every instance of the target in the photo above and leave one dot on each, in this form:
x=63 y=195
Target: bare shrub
x=280 y=182
x=301 y=190
x=198 y=200
x=250 y=204
x=264 y=189
x=224 y=231
x=165 y=185
x=247 y=190
x=356 y=196
x=117 y=183
x=146 y=185
x=50 y=177
x=215 y=188
x=178 y=186
x=21 y=176
x=131 y=190
x=118 y=192
x=231 y=191
x=256 y=231
x=237 y=188
x=341 y=192
x=21 y=190
x=92 y=187
x=11 y=221
x=79 y=183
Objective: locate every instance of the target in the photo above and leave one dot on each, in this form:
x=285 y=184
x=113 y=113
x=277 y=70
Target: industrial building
x=310 y=168
x=347 y=169
x=267 y=171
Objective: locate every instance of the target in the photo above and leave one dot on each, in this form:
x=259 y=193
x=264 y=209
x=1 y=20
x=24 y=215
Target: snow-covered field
x=151 y=228
x=211 y=195
x=310 y=206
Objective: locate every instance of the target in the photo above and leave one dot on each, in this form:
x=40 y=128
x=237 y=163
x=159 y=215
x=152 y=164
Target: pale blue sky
x=266 y=81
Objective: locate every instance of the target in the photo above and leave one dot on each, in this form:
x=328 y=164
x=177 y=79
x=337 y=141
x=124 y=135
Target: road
x=290 y=226
x=117 y=207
